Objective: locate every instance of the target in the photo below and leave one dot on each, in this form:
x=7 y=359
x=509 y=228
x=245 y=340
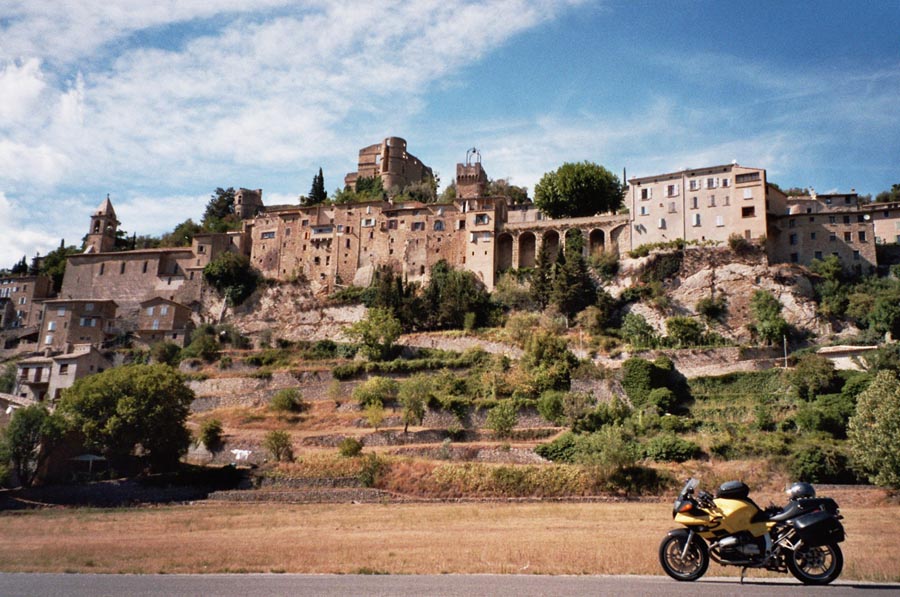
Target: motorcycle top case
x=733 y=490
x=819 y=528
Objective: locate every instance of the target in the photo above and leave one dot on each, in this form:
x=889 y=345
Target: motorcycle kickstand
x=743 y=570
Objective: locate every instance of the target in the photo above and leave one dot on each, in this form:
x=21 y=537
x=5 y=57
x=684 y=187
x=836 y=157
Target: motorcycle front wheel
x=816 y=565
x=690 y=567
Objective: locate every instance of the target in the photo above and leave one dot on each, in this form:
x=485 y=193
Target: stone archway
x=527 y=249
x=596 y=241
x=551 y=241
x=504 y=252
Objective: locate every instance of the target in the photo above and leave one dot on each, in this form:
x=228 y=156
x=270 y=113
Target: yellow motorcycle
x=801 y=538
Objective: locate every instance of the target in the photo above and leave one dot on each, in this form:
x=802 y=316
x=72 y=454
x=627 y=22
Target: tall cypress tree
x=542 y=281
x=573 y=287
x=317 y=193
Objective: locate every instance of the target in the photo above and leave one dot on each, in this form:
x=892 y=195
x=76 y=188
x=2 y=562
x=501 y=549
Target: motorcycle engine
x=738 y=547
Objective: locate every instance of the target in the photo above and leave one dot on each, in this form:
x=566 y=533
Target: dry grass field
x=502 y=538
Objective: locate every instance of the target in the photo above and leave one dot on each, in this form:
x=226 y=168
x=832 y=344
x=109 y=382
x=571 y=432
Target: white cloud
x=19 y=240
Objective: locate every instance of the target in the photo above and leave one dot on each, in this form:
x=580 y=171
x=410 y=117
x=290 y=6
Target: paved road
x=259 y=585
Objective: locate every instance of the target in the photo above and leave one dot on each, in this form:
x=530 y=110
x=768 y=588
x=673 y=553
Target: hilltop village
x=156 y=293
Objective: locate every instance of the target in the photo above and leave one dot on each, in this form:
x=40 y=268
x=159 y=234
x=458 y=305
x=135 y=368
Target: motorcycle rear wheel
x=816 y=565
x=692 y=566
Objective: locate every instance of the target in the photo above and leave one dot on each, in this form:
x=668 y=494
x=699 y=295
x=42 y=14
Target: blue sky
x=158 y=105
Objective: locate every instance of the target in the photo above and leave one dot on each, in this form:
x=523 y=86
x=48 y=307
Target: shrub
x=663 y=399
x=376 y=390
x=739 y=244
x=502 y=418
x=288 y=400
x=551 y=406
x=350 y=447
x=202 y=346
x=279 y=445
x=374 y=415
x=211 y=434
x=371 y=469
x=821 y=464
x=669 y=448
x=712 y=307
x=166 y=353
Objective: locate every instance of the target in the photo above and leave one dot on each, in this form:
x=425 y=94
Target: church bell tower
x=102 y=236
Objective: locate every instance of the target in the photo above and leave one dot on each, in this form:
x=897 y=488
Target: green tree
x=182 y=235
x=684 y=331
x=374 y=413
x=288 y=400
x=20 y=268
x=578 y=189
x=874 y=431
x=211 y=434
x=502 y=419
x=573 y=287
x=549 y=361
x=414 y=395
x=450 y=295
x=637 y=331
x=8 y=378
x=54 y=264
x=768 y=325
x=133 y=406
x=232 y=275
x=502 y=187
x=891 y=196
x=31 y=433
x=812 y=375
x=317 y=192
x=219 y=215
x=376 y=390
x=376 y=333
x=278 y=444
x=544 y=274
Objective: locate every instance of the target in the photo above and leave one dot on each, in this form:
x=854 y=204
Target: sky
x=158 y=103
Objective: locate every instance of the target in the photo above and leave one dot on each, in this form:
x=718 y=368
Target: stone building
x=67 y=322
x=101 y=236
x=20 y=300
x=818 y=225
x=390 y=161
x=44 y=377
x=162 y=320
x=130 y=277
x=247 y=202
x=702 y=204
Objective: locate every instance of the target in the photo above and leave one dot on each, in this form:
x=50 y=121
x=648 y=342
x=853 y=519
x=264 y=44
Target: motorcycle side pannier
x=819 y=528
x=733 y=490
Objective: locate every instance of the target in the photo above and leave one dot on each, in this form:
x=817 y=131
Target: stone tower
x=101 y=237
x=471 y=179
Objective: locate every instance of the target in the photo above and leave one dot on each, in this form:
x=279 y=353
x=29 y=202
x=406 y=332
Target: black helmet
x=801 y=490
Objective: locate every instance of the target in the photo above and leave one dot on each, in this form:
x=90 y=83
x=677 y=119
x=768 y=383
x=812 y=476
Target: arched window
x=439 y=225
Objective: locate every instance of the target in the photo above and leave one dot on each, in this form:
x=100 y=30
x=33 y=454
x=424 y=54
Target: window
x=711 y=183
x=846 y=219
x=51 y=326
x=481 y=219
x=63 y=368
x=726 y=201
x=711 y=201
x=832 y=219
x=644 y=210
x=150 y=311
x=662 y=224
x=720 y=221
x=61 y=311
x=696 y=219
x=163 y=309
x=748 y=193
x=695 y=185
x=812 y=236
x=347 y=243
x=832 y=237
x=795 y=258
x=439 y=225
x=793 y=239
x=792 y=223
x=856 y=255
x=694 y=203
x=862 y=236
x=671 y=207
x=848 y=237
x=672 y=190
x=48 y=339
x=155 y=325
x=725 y=182
x=418 y=225
x=748 y=177
x=748 y=212
x=392 y=224
x=267 y=235
x=340 y=227
x=89 y=306
x=368 y=222
x=87 y=322
x=818 y=255
x=860 y=218
x=646 y=193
